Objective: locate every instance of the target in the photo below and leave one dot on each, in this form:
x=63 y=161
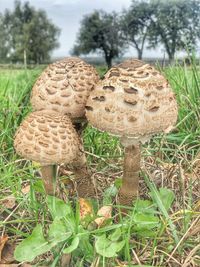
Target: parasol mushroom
x=49 y=138
x=64 y=86
x=133 y=101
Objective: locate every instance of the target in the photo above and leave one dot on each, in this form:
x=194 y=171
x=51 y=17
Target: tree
x=100 y=32
x=32 y=35
x=136 y=23
x=175 y=24
x=4 y=39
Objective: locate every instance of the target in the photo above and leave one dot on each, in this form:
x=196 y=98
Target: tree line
x=174 y=24
x=26 y=35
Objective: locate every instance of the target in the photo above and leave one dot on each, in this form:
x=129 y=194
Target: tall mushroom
x=64 y=86
x=49 y=138
x=133 y=101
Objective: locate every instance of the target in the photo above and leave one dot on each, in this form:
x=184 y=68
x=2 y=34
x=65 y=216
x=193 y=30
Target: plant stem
x=130 y=181
x=49 y=178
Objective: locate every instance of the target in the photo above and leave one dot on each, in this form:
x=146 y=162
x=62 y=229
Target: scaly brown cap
x=133 y=100
x=64 y=87
x=49 y=138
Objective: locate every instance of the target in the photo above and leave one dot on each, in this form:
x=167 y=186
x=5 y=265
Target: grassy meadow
x=163 y=226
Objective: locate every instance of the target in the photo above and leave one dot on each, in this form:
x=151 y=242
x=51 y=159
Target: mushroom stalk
x=130 y=181
x=84 y=183
x=80 y=127
x=49 y=178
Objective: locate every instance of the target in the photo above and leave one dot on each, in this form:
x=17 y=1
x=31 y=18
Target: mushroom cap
x=64 y=86
x=133 y=100
x=49 y=138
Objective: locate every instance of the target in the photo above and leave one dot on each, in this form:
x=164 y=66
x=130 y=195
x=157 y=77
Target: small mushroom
x=49 y=138
x=142 y=105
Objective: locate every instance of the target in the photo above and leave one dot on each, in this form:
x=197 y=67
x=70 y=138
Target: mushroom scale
x=133 y=100
x=49 y=138
x=64 y=86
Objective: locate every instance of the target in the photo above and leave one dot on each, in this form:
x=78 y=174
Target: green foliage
x=136 y=22
x=73 y=246
x=163 y=198
x=100 y=32
x=175 y=25
x=5 y=41
x=32 y=246
x=27 y=34
x=109 y=246
x=67 y=233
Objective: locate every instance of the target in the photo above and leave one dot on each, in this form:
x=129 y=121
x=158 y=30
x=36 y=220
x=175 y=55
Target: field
x=163 y=226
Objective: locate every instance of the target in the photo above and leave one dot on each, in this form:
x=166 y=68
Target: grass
x=163 y=230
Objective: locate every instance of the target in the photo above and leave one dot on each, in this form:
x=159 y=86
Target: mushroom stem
x=130 y=181
x=49 y=178
x=83 y=178
x=80 y=127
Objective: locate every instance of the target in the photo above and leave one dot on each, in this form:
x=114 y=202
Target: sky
x=67 y=14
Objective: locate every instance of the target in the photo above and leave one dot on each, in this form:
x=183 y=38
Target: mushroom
x=64 y=86
x=49 y=138
x=133 y=101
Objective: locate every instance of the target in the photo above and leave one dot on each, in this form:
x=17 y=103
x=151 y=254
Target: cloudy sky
x=67 y=14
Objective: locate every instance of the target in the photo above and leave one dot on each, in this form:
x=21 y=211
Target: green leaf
x=145 y=206
x=109 y=193
x=167 y=196
x=145 y=221
x=107 y=248
x=39 y=186
x=157 y=200
x=36 y=244
x=32 y=246
x=58 y=232
x=85 y=248
x=115 y=235
x=58 y=208
x=73 y=245
x=118 y=182
x=145 y=233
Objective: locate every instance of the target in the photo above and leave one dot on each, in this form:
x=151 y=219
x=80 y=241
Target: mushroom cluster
x=133 y=101
x=47 y=135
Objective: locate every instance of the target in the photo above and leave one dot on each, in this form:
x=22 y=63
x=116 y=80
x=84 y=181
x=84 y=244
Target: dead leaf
x=7 y=255
x=8 y=202
x=85 y=208
x=26 y=189
x=104 y=214
x=3 y=240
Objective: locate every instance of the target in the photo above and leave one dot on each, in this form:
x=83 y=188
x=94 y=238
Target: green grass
x=168 y=162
